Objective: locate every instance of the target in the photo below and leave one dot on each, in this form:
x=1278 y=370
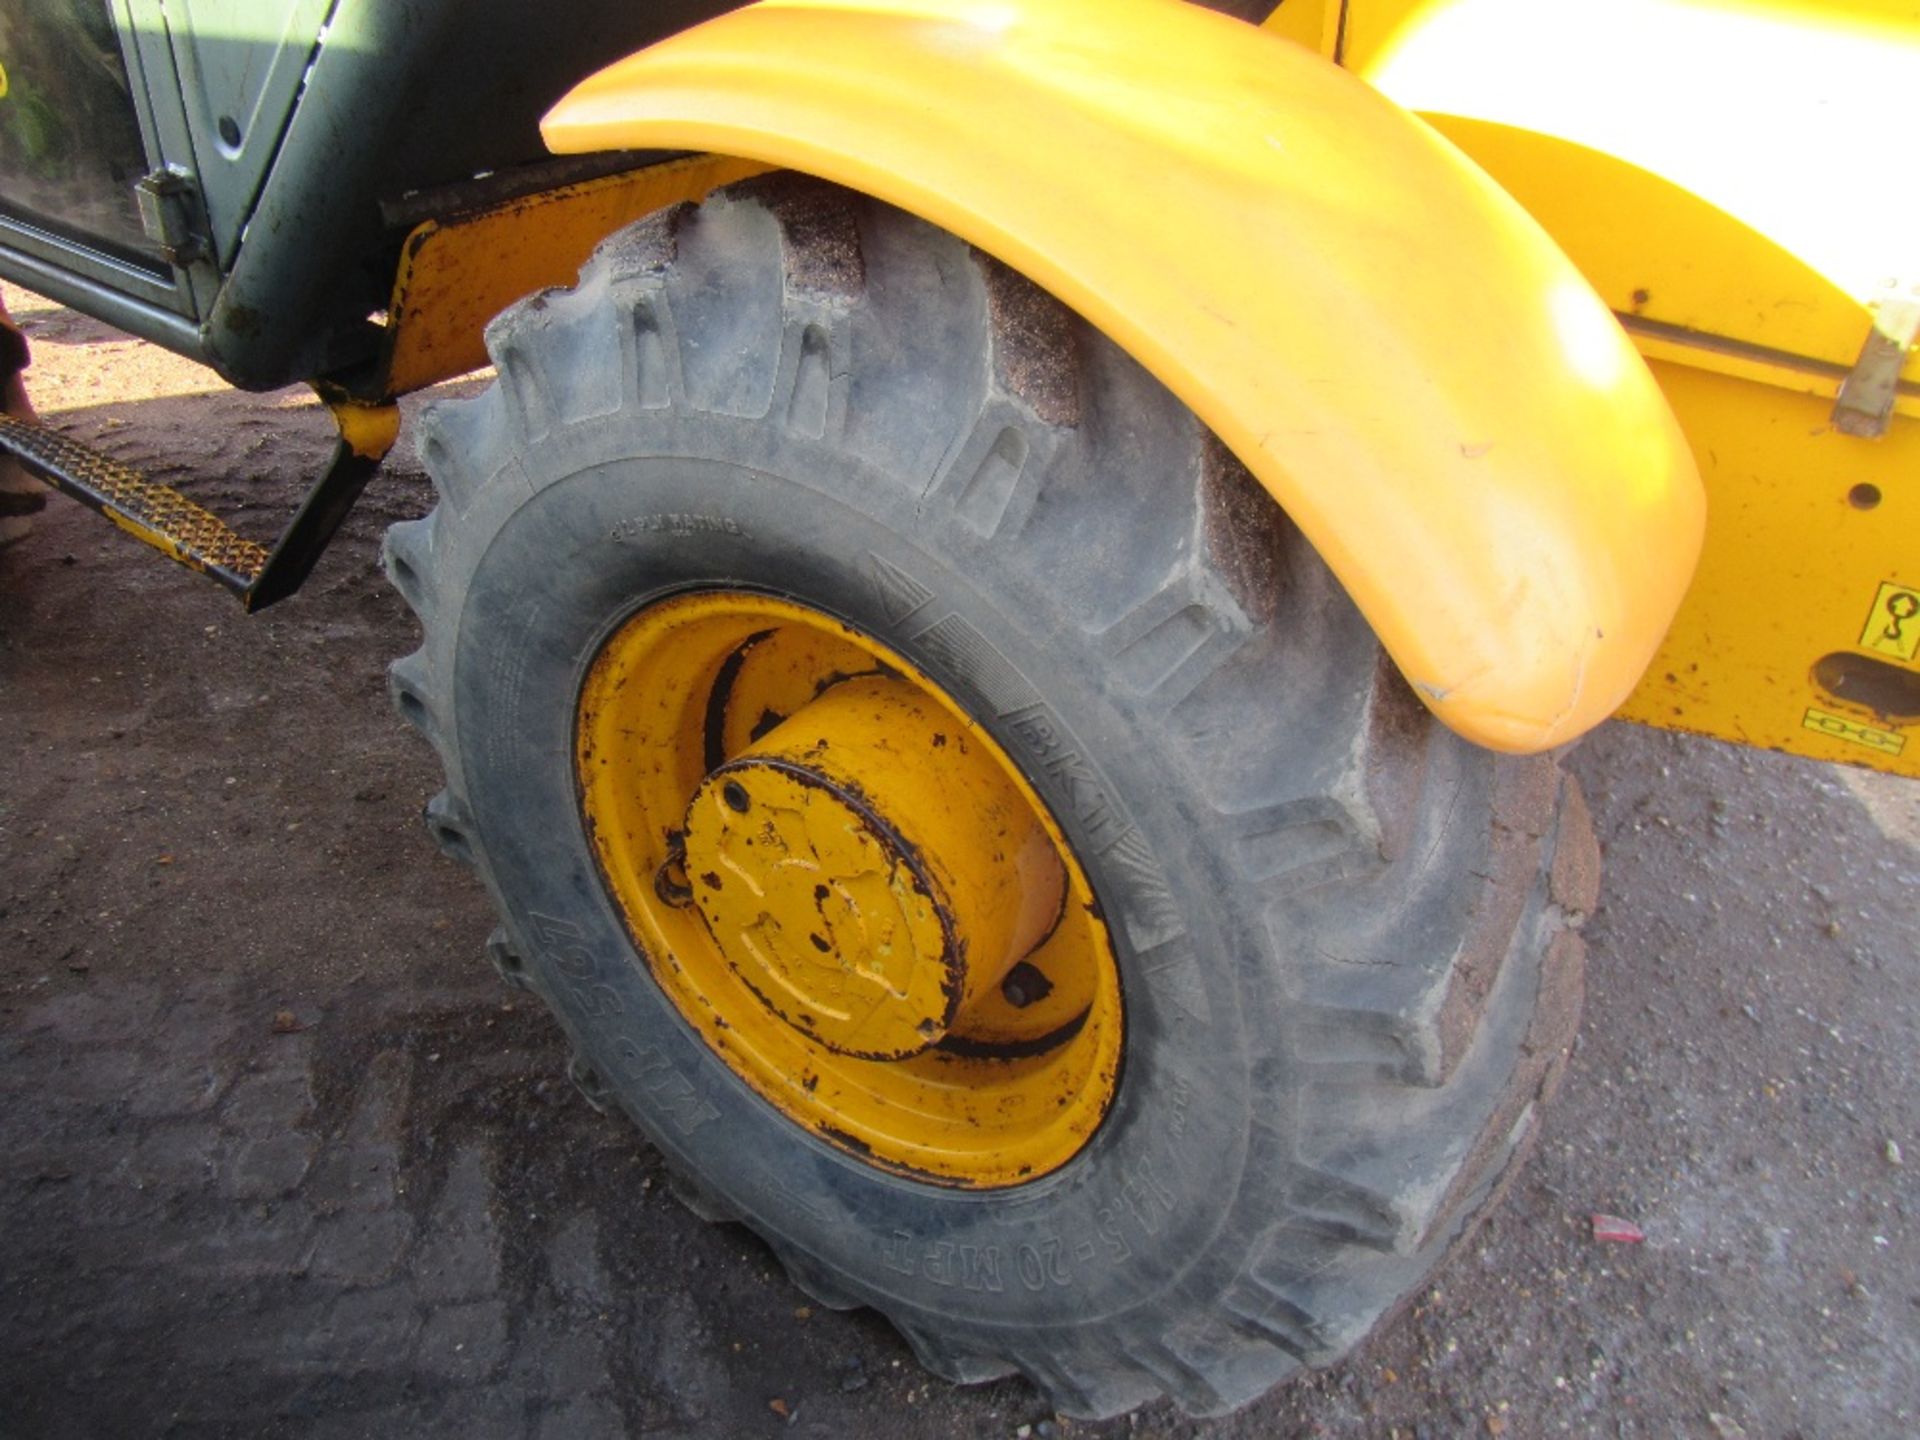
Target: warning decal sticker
x=1825 y=722
x=1893 y=626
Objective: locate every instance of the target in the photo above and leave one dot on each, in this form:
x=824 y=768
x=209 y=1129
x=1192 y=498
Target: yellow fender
x=1385 y=339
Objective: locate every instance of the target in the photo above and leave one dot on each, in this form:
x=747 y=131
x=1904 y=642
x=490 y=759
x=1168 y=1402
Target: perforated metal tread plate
x=156 y=514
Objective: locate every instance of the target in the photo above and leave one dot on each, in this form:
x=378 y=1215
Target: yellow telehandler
x=1001 y=633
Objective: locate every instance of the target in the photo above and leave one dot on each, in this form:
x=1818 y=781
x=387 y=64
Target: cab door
x=135 y=136
x=79 y=135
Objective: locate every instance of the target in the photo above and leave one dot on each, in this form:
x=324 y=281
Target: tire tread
x=1429 y=1067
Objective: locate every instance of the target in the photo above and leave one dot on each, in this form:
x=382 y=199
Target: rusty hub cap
x=848 y=889
x=868 y=871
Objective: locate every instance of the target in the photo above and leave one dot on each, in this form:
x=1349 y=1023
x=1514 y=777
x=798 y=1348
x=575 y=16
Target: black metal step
x=154 y=513
x=162 y=517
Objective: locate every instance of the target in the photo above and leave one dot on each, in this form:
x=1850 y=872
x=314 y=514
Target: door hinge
x=170 y=214
x=1865 y=403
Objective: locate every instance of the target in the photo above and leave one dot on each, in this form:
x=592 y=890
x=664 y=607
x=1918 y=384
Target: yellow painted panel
x=1392 y=346
x=1659 y=252
x=457 y=273
x=1786 y=117
x=1812 y=535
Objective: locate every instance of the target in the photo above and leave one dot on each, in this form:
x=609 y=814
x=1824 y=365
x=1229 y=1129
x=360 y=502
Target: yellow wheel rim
x=848 y=890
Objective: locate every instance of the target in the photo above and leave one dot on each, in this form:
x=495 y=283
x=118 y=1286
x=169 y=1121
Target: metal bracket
x=1865 y=403
x=170 y=212
x=367 y=433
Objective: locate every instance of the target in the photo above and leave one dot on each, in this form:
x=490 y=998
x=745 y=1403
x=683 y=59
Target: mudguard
x=1385 y=339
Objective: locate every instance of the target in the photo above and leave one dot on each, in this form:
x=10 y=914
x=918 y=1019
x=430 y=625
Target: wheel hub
x=847 y=889
x=867 y=871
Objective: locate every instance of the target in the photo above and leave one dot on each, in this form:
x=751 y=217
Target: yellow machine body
x=1392 y=346
x=1727 y=176
x=458 y=272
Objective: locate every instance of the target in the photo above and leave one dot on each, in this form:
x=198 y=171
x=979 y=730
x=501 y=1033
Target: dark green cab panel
x=238 y=66
x=295 y=141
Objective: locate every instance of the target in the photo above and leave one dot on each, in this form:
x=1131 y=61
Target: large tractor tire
x=958 y=818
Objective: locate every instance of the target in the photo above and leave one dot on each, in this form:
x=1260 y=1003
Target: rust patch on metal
x=904 y=854
x=713 y=734
x=971 y=1049
x=670 y=880
x=671 y=886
